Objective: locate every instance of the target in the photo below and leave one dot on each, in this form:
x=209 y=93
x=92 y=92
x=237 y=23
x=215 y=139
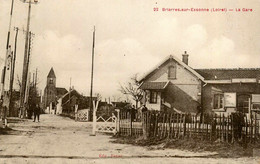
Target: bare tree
x=32 y=84
x=116 y=98
x=127 y=99
x=132 y=89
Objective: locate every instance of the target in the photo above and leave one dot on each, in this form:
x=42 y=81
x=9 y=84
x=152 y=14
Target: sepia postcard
x=130 y=81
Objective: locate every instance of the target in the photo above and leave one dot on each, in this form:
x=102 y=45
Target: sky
x=130 y=38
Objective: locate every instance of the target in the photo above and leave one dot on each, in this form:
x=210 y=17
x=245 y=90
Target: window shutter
x=172 y=72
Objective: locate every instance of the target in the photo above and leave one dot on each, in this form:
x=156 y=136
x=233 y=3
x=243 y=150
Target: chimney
x=185 y=57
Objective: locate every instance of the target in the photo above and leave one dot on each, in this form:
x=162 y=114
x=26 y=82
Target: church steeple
x=51 y=74
x=51 y=78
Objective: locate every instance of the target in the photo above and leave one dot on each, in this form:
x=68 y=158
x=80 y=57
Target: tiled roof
x=153 y=85
x=226 y=74
x=61 y=91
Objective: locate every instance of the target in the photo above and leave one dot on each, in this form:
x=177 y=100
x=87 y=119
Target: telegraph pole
x=28 y=80
x=36 y=77
x=12 y=74
x=93 y=106
x=5 y=62
x=92 y=70
x=69 y=96
x=7 y=45
x=33 y=80
x=25 y=62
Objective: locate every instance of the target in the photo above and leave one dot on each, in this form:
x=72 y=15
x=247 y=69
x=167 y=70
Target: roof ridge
x=172 y=57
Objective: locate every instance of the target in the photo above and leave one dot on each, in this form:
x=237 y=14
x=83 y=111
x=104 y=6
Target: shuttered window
x=172 y=72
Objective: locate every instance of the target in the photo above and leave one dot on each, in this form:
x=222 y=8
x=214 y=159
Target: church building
x=51 y=92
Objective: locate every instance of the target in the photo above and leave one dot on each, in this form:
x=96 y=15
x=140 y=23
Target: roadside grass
x=10 y=131
x=222 y=149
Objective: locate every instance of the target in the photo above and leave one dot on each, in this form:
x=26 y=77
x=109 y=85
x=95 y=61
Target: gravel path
x=58 y=139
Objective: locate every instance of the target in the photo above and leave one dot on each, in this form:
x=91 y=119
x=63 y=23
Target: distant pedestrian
x=238 y=123
x=37 y=111
x=30 y=110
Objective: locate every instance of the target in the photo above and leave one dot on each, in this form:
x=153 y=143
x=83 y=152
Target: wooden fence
x=174 y=125
x=129 y=125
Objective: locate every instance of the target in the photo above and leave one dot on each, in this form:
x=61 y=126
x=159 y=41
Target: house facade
x=68 y=102
x=72 y=102
x=174 y=85
x=228 y=90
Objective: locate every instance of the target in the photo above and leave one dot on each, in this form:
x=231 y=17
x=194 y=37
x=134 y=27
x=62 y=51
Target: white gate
x=82 y=115
x=100 y=124
x=106 y=125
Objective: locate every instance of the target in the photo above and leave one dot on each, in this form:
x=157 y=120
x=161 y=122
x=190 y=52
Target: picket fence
x=212 y=127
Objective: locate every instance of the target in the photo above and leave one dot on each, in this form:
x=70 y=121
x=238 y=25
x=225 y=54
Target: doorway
x=243 y=103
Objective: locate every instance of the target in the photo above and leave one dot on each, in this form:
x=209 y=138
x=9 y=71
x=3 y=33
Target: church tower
x=50 y=89
x=51 y=79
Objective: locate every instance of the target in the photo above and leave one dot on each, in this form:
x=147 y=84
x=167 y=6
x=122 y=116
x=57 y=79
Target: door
x=243 y=103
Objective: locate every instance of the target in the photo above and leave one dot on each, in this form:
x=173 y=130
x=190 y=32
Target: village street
x=57 y=139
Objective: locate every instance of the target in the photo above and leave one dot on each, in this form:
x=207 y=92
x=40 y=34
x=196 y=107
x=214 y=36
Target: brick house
x=174 y=85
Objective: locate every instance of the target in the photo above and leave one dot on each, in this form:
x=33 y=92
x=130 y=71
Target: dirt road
x=57 y=139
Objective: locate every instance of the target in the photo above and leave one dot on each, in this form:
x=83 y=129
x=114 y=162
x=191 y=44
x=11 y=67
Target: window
x=51 y=80
x=153 y=97
x=172 y=72
x=218 y=101
x=256 y=106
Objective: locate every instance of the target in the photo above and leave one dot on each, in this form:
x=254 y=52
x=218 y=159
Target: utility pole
x=5 y=62
x=92 y=70
x=10 y=68
x=35 y=87
x=25 y=63
x=26 y=99
x=33 y=82
x=26 y=85
x=10 y=85
x=12 y=74
x=28 y=80
x=94 y=107
x=69 y=97
x=36 y=78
